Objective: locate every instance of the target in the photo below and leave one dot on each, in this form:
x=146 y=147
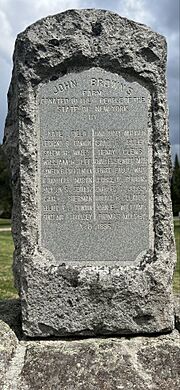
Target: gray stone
x=106 y=363
x=8 y=344
x=136 y=364
x=91 y=270
x=95 y=173
x=140 y=364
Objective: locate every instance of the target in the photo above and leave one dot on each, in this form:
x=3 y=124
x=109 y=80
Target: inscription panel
x=93 y=167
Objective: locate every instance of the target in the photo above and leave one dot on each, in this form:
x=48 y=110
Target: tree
x=175 y=187
x=5 y=188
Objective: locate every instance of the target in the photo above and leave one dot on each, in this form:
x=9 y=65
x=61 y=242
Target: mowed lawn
x=4 y=223
x=7 y=289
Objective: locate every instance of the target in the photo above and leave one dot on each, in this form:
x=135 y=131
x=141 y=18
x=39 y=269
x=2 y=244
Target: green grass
x=6 y=278
x=6 y=253
x=5 y=223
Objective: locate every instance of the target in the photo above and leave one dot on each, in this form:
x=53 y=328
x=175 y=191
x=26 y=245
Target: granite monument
x=87 y=138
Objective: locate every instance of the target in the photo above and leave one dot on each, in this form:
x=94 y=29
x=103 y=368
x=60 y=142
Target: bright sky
x=161 y=15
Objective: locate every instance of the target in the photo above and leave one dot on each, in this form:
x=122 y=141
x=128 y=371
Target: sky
x=161 y=15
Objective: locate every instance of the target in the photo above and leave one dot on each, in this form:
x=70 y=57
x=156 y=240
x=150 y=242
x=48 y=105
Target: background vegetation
x=5 y=188
x=7 y=289
x=176 y=283
x=175 y=187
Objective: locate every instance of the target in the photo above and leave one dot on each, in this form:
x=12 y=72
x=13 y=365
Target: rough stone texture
x=107 y=364
x=103 y=364
x=10 y=329
x=87 y=299
x=8 y=344
x=150 y=363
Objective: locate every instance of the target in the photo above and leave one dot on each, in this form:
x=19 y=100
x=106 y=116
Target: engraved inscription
x=94 y=167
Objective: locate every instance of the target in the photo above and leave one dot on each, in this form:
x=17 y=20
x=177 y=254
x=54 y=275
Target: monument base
x=94 y=301
x=136 y=363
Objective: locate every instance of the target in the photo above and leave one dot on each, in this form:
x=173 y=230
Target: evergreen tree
x=175 y=187
x=5 y=188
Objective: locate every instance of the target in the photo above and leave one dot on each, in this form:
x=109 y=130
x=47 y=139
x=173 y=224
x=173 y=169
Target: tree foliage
x=5 y=188
x=175 y=187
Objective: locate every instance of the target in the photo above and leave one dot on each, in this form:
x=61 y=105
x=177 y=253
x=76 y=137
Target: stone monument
x=87 y=138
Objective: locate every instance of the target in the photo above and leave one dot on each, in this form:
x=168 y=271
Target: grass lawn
x=6 y=278
x=6 y=252
x=5 y=223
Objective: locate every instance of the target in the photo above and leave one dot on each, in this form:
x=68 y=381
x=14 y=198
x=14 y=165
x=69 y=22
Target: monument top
x=87 y=136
